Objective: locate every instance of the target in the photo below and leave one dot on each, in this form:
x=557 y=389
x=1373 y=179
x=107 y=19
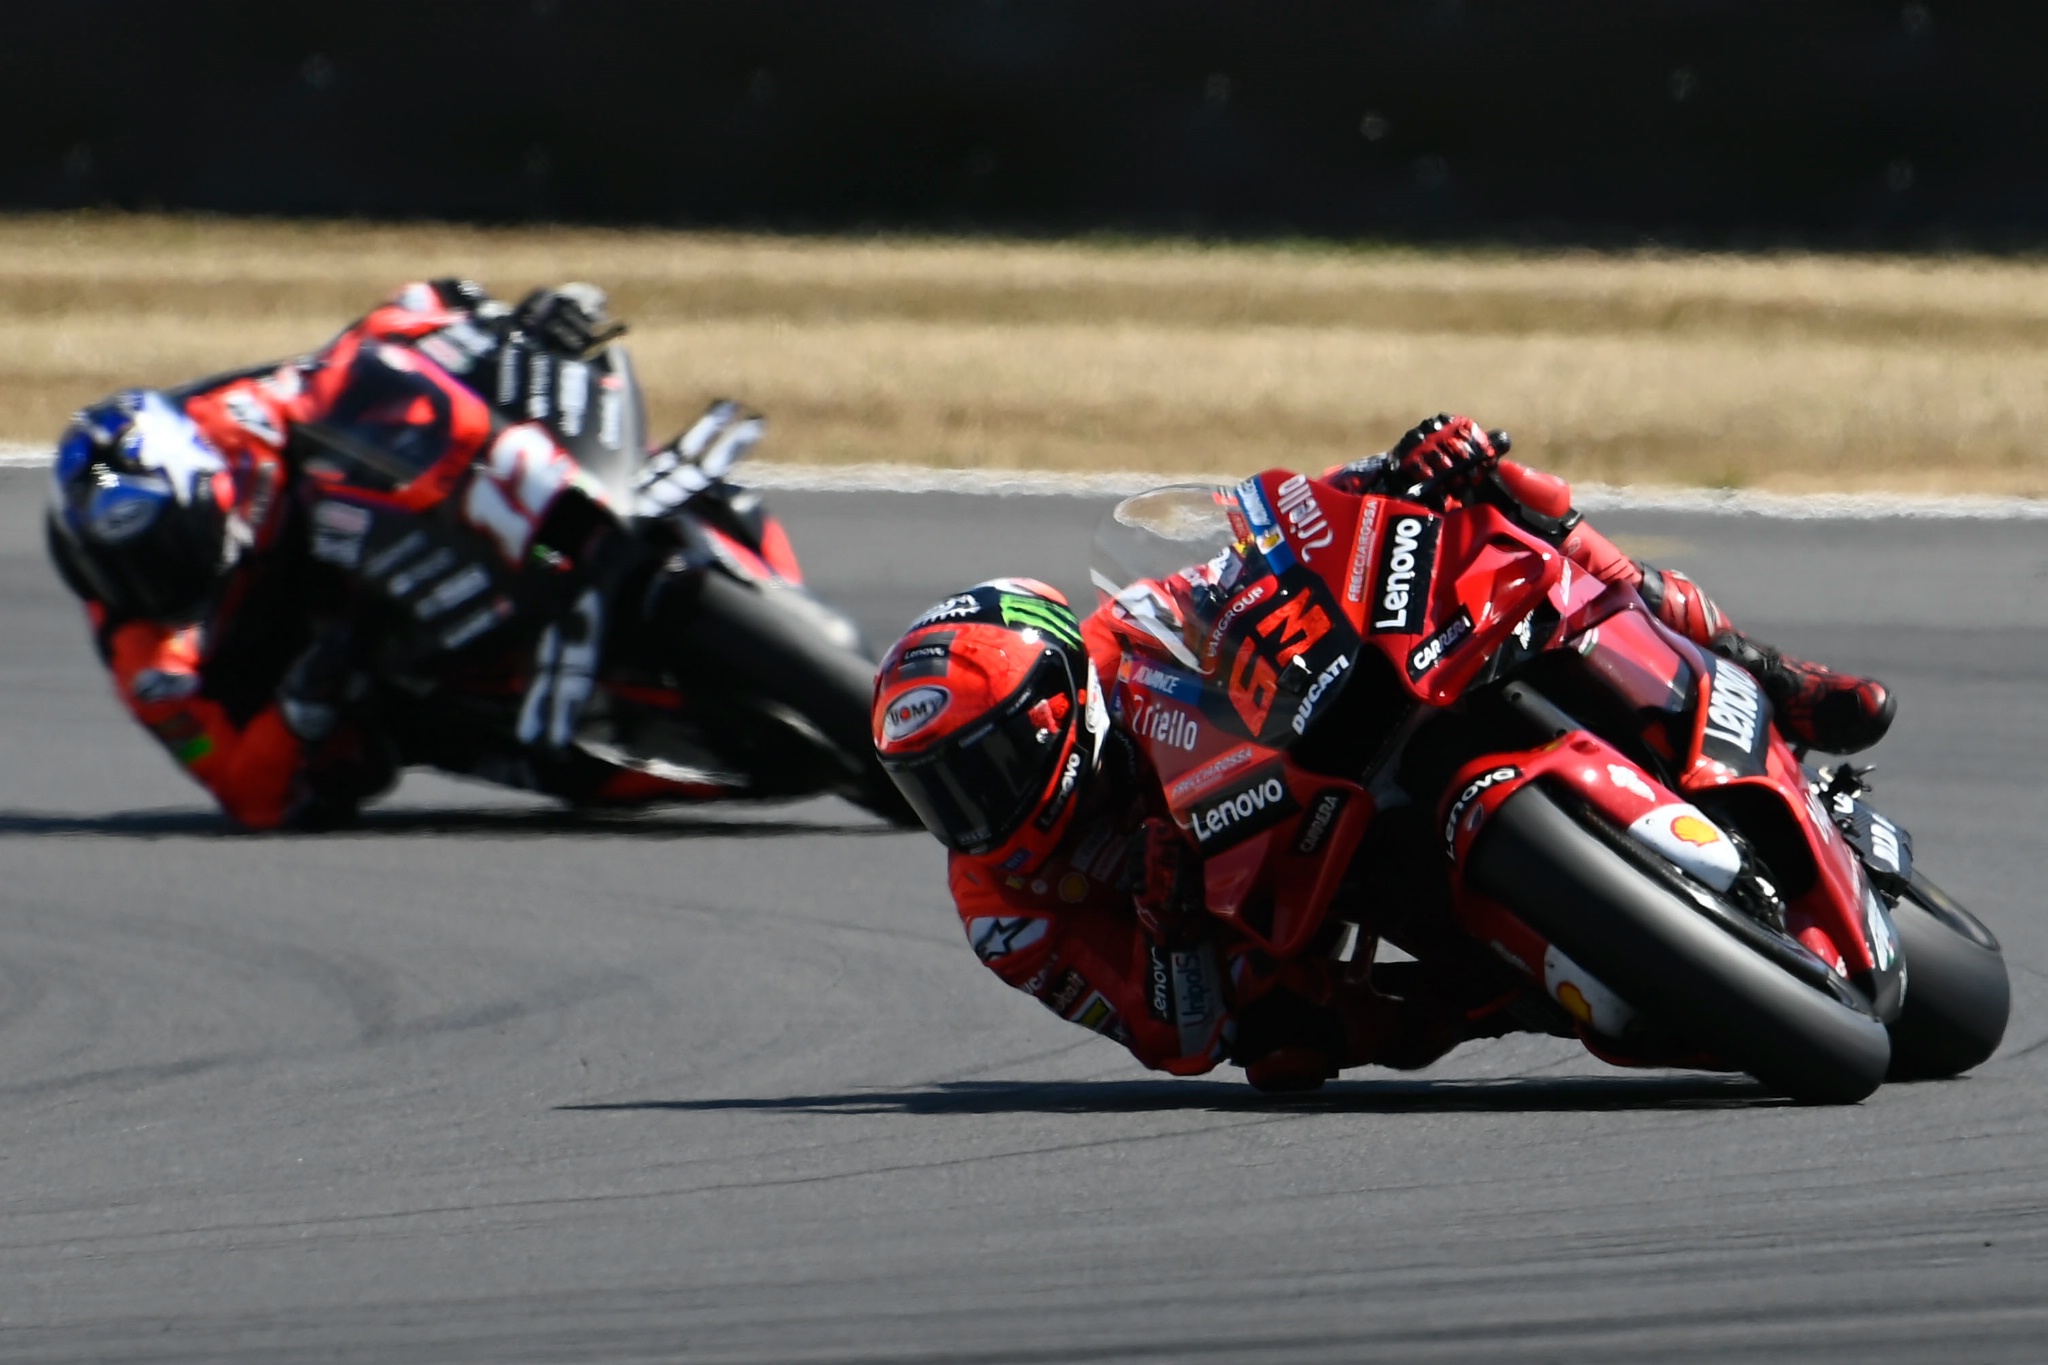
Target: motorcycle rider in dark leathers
x=180 y=521
x=1076 y=886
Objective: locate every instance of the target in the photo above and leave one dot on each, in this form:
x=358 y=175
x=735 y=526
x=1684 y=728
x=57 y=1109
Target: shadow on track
x=1514 y=1095
x=414 y=821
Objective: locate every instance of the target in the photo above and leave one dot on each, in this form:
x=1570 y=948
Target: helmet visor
x=976 y=787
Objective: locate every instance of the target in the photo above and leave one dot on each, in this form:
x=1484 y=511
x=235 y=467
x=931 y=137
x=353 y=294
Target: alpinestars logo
x=1259 y=802
x=1407 y=560
x=994 y=936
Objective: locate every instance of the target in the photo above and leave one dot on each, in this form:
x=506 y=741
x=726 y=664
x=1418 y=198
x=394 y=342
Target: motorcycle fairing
x=1275 y=839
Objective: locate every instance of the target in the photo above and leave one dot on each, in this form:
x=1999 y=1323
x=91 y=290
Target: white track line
x=1590 y=497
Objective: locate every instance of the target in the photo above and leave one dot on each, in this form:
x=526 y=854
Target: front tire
x=1957 y=994
x=1665 y=956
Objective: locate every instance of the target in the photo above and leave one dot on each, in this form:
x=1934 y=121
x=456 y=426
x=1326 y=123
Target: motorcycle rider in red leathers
x=1076 y=887
x=169 y=517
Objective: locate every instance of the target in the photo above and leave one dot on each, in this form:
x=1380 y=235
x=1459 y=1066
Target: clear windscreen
x=1143 y=542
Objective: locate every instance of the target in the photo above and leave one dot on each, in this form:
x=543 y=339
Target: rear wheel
x=1640 y=935
x=1957 y=993
x=776 y=647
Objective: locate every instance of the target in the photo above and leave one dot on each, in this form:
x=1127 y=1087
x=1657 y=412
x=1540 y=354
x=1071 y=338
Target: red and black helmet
x=989 y=719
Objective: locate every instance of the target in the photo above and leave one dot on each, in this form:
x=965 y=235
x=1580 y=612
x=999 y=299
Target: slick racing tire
x=776 y=645
x=1641 y=937
x=1957 y=993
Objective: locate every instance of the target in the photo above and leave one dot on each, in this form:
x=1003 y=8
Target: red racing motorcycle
x=1343 y=683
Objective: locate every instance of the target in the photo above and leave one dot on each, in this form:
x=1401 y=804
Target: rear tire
x=1957 y=994
x=775 y=643
x=1641 y=939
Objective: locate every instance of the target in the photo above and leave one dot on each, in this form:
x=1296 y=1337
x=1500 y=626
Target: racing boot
x=1814 y=706
x=1836 y=713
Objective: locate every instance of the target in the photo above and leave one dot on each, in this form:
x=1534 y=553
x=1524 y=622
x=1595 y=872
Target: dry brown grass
x=1791 y=372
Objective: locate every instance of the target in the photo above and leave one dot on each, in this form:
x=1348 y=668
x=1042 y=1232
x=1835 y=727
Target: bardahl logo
x=912 y=711
x=1260 y=802
x=1407 y=561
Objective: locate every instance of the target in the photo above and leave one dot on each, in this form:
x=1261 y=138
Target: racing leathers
x=253 y=698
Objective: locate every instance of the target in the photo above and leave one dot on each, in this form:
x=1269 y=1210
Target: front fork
x=1839 y=936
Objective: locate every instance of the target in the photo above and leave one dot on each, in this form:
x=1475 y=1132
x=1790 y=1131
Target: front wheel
x=1957 y=993
x=1608 y=912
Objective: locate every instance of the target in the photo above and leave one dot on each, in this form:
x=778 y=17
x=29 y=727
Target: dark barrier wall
x=1705 y=122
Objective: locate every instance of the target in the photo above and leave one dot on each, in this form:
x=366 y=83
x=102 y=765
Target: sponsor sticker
x=1166 y=725
x=338 y=531
x=952 y=609
x=1324 y=682
x=1482 y=783
x=1215 y=770
x=1096 y=1013
x=1297 y=502
x=1047 y=618
x=1239 y=605
x=1064 y=992
x=1168 y=682
x=1690 y=840
x=452 y=592
x=1437 y=647
x=1626 y=778
x=1322 y=814
x=1407 y=562
x=476 y=623
x=1257 y=803
x=994 y=936
x=1361 y=552
x=1158 y=984
x=914 y=710
x=928 y=658
x=1735 y=732
x=1069 y=779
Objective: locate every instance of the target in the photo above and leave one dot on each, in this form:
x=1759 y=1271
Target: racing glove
x=1164 y=876
x=573 y=320
x=698 y=458
x=1449 y=453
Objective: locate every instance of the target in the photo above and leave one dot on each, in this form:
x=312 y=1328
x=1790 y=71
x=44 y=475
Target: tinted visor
x=974 y=789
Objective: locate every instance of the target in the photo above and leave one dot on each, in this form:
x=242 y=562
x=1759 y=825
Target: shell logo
x=1574 y=1001
x=1695 y=831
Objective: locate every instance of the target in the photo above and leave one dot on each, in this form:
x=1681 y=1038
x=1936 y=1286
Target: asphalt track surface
x=484 y=1082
